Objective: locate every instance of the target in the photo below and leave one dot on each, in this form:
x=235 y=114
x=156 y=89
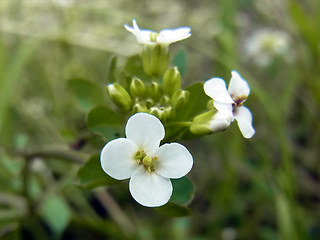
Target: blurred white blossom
x=229 y=233
x=63 y=3
x=266 y=44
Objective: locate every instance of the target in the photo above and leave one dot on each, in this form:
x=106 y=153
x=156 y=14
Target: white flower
x=230 y=102
x=266 y=44
x=140 y=158
x=166 y=36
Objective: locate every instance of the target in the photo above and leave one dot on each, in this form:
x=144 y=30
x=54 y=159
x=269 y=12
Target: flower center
x=153 y=37
x=148 y=162
x=238 y=102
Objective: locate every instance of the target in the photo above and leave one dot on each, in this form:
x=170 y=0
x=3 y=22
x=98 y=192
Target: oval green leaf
x=183 y=191
x=104 y=121
x=91 y=175
x=174 y=210
x=88 y=93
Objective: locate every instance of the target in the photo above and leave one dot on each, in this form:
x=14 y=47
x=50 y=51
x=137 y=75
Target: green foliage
x=235 y=178
x=180 y=60
x=55 y=211
x=89 y=94
x=91 y=175
x=174 y=210
x=183 y=191
x=11 y=67
x=134 y=67
x=197 y=103
x=104 y=121
x=112 y=70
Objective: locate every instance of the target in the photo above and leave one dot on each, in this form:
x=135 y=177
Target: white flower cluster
x=140 y=157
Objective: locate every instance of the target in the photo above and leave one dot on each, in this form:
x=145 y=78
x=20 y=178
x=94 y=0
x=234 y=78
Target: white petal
x=217 y=90
x=117 y=158
x=146 y=131
x=238 y=87
x=150 y=189
x=174 y=160
x=224 y=108
x=220 y=122
x=143 y=36
x=244 y=119
x=130 y=29
x=168 y=36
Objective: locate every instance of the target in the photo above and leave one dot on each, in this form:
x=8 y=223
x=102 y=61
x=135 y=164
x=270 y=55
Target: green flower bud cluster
x=160 y=99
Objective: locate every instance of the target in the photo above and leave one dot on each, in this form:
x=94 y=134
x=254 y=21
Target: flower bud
x=158 y=112
x=119 y=96
x=171 y=81
x=169 y=112
x=149 y=103
x=137 y=88
x=155 y=91
x=210 y=122
x=139 y=107
x=179 y=98
x=164 y=100
x=155 y=58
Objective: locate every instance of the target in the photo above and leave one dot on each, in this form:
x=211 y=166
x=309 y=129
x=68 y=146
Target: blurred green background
x=267 y=187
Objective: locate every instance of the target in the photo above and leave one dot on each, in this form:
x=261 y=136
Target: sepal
x=155 y=58
x=210 y=122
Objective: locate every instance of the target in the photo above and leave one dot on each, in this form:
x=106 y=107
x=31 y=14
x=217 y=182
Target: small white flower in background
x=139 y=157
x=229 y=102
x=265 y=44
x=166 y=36
x=64 y=3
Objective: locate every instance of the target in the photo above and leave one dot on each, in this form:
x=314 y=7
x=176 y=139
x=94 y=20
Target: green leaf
x=91 y=175
x=12 y=65
x=112 y=70
x=102 y=116
x=88 y=93
x=183 y=191
x=307 y=24
x=180 y=60
x=104 y=121
x=197 y=103
x=56 y=213
x=174 y=210
x=134 y=67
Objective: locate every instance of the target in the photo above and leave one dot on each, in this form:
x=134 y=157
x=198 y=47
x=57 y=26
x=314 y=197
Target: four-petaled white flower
x=139 y=157
x=166 y=36
x=230 y=101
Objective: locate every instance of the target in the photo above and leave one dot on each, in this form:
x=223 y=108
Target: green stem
x=26 y=184
x=69 y=155
x=115 y=211
x=179 y=124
